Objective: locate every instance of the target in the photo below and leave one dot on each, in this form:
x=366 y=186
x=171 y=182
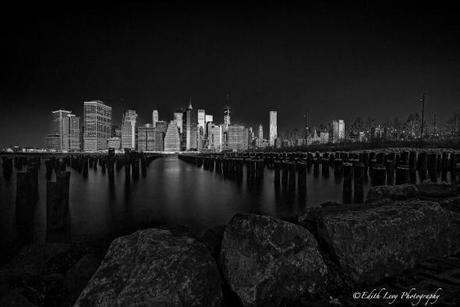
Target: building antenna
x=423 y=115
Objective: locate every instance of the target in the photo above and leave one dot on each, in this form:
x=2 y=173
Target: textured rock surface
x=437 y=190
x=153 y=267
x=394 y=192
x=381 y=241
x=265 y=259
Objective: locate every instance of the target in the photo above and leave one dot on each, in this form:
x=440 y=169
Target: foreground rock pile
x=259 y=260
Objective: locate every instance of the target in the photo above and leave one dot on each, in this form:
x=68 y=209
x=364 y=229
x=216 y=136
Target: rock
x=78 y=276
x=437 y=190
x=32 y=261
x=394 y=192
x=15 y=299
x=381 y=241
x=267 y=260
x=153 y=267
x=451 y=203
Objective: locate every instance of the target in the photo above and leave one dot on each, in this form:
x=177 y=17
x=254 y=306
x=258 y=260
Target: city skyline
x=331 y=61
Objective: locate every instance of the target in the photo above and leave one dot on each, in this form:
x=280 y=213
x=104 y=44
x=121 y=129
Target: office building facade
x=97 y=122
x=273 y=128
x=172 y=138
x=128 y=130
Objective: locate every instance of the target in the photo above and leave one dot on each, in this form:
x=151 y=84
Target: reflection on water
x=170 y=192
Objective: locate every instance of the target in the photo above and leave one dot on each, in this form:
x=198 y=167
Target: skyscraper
x=172 y=138
x=261 y=133
x=149 y=138
x=74 y=132
x=59 y=130
x=97 y=125
x=215 y=137
x=179 y=119
x=337 y=131
x=273 y=128
x=201 y=120
x=237 y=137
x=128 y=130
x=191 y=123
x=154 y=118
x=227 y=121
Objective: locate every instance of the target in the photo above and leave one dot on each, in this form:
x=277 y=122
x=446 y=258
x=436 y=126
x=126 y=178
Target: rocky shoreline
x=318 y=258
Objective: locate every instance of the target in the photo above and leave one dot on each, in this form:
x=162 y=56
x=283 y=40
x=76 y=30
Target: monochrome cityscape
x=274 y=153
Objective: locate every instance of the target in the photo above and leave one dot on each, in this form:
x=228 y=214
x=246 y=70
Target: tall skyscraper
x=59 y=130
x=273 y=128
x=201 y=119
x=154 y=118
x=97 y=125
x=337 y=131
x=191 y=123
x=128 y=130
x=227 y=121
x=261 y=133
x=74 y=133
x=216 y=136
x=172 y=138
x=179 y=119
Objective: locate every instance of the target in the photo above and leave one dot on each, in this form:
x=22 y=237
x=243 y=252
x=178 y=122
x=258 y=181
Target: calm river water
x=172 y=193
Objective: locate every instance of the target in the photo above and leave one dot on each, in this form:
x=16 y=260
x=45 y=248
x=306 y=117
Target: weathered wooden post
x=7 y=167
x=432 y=166
x=359 y=182
x=390 y=167
x=347 y=182
x=402 y=174
x=378 y=175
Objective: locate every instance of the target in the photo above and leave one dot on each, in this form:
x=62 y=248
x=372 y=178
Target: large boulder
x=154 y=267
x=265 y=259
x=380 y=241
x=392 y=192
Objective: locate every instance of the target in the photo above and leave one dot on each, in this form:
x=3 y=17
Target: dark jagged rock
x=381 y=241
x=394 y=192
x=78 y=276
x=267 y=260
x=437 y=190
x=153 y=267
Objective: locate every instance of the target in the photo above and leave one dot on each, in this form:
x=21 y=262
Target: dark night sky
x=335 y=60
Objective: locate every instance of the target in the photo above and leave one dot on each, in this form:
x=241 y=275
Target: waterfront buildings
x=227 y=121
x=216 y=137
x=128 y=130
x=337 y=131
x=201 y=120
x=97 y=124
x=154 y=118
x=114 y=143
x=209 y=118
x=172 y=138
x=237 y=138
x=273 y=128
x=150 y=138
x=74 y=132
x=178 y=118
x=190 y=127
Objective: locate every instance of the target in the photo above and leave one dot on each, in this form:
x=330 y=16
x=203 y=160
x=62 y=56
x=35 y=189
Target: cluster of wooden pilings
x=57 y=186
x=229 y=167
x=352 y=169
